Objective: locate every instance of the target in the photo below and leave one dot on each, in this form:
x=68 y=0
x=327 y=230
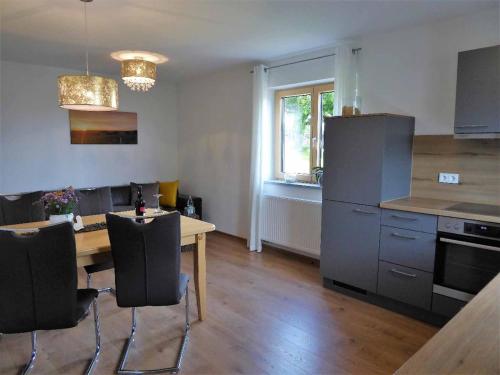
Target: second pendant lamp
x=139 y=68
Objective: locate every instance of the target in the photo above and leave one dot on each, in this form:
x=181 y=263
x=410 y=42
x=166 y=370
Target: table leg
x=200 y=275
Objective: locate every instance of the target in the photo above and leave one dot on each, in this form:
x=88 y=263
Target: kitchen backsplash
x=476 y=160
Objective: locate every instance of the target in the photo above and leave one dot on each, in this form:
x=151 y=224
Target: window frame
x=315 y=91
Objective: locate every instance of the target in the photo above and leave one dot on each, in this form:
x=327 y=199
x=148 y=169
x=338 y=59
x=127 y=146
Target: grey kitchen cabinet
x=350 y=244
x=407 y=256
x=477 y=106
x=367 y=159
x=446 y=306
x=408 y=248
x=409 y=220
x=405 y=284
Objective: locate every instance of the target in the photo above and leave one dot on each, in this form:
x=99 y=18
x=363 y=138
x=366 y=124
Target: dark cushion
x=148 y=190
x=94 y=201
x=120 y=195
x=22 y=208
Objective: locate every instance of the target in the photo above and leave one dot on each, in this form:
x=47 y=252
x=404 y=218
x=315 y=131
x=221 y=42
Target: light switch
x=449 y=178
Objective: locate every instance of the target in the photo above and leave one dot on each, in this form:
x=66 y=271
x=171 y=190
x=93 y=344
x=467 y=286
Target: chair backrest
x=94 y=201
x=147 y=260
x=23 y=208
x=38 y=279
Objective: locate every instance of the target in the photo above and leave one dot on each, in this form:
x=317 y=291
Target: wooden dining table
x=94 y=247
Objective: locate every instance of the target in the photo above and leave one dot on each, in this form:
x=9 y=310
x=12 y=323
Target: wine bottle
x=140 y=204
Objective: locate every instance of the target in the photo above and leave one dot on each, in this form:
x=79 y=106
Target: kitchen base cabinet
x=409 y=220
x=350 y=243
x=446 y=306
x=408 y=248
x=405 y=284
x=388 y=303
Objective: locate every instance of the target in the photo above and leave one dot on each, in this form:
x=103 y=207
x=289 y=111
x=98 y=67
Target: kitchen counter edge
x=435 y=207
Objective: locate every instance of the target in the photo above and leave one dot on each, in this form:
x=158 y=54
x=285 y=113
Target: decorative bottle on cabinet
x=352 y=104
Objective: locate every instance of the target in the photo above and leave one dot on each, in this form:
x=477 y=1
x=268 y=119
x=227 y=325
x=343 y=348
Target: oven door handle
x=470 y=244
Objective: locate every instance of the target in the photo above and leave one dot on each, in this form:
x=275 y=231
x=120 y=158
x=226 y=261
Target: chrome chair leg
x=130 y=340
x=97 y=327
x=185 y=338
x=109 y=290
x=100 y=290
x=29 y=366
x=123 y=360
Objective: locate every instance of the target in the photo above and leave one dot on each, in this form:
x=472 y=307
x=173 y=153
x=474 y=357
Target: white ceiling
x=201 y=35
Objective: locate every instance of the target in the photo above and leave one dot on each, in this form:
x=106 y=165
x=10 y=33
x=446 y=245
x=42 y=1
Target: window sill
x=297 y=183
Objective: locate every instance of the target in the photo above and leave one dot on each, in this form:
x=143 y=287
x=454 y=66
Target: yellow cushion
x=169 y=191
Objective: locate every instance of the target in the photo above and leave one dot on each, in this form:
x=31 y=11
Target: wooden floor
x=267 y=314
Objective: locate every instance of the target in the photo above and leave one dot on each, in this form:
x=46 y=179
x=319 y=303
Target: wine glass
x=158 y=209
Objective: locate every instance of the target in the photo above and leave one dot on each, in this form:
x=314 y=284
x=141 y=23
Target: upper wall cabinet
x=367 y=158
x=477 y=108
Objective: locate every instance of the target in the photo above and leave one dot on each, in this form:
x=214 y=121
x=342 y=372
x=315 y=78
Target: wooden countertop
x=468 y=344
x=436 y=207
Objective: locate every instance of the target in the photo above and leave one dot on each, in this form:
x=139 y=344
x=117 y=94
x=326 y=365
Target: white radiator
x=292 y=223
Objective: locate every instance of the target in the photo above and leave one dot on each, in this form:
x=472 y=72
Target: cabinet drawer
x=405 y=284
x=408 y=248
x=410 y=220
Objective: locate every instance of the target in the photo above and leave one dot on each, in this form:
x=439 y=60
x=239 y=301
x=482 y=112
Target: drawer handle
x=359 y=211
x=404 y=217
x=470 y=126
x=410 y=275
x=395 y=234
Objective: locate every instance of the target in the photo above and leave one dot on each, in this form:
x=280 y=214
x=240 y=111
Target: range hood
x=477 y=106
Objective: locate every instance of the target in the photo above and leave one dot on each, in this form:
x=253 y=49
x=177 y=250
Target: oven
x=467 y=257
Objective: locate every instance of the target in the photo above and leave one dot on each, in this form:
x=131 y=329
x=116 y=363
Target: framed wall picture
x=111 y=127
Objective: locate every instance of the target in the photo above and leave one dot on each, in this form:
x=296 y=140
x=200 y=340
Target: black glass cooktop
x=476 y=208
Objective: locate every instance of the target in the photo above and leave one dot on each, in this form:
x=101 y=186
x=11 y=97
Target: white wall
x=35 y=141
x=413 y=71
x=215 y=114
x=314 y=70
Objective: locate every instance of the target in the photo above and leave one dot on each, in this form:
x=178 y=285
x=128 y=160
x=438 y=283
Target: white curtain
x=343 y=78
x=260 y=127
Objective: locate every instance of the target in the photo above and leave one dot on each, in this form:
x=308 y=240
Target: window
x=299 y=129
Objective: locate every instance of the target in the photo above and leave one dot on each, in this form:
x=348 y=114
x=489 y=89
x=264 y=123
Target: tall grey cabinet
x=367 y=160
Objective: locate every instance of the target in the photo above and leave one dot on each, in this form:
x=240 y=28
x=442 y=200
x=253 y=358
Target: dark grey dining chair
x=38 y=285
x=21 y=208
x=95 y=201
x=147 y=272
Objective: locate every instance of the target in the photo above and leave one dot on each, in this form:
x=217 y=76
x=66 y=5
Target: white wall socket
x=449 y=178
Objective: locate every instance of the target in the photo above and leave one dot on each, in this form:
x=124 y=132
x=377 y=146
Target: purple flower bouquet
x=60 y=202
